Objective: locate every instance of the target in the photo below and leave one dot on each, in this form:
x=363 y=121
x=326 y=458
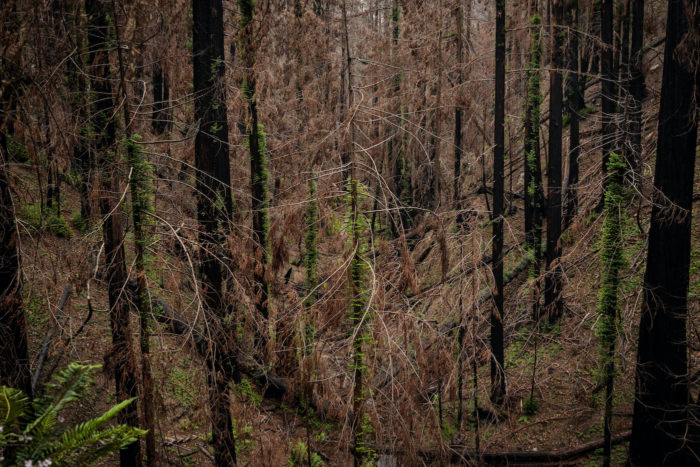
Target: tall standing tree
x=214 y=203
x=611 y=261
x=459 y=111
x=636 y=85
x=534 y=194
x=498 y=377
x=552 y=288
x=608 y=79
x=574 y=104
x=141 y=188
x=258 y=169
x=660 y=421
x=14 y=361
x=103 y=120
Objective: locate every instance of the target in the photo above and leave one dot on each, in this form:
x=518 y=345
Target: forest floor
x=569 y=408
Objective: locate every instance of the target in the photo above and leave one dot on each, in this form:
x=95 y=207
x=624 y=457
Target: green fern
x=34 y=433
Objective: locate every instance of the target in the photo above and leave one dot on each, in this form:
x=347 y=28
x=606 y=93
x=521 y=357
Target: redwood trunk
x=659 y=433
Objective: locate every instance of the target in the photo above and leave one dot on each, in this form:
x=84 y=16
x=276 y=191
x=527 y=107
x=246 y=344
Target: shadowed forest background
x=336 y=232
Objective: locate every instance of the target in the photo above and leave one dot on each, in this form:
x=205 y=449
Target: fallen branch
x=460 y=453
x=49 y=337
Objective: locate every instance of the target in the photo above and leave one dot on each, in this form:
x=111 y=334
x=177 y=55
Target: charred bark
x=660 y=423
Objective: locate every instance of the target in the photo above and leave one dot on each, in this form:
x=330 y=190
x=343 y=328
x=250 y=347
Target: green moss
x=612 y=260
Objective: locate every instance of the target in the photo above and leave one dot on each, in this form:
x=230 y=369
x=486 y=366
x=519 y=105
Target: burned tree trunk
x=121 y=357
x=659 y=427
x=553 y=284
x=214 y=206
x=14 y=362
x=498 y=377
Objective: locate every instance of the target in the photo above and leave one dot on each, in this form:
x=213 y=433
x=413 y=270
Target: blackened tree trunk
x=140 y=185
x=258 y=171
x=552 y=288
x=82 y=156
x=636 y=88
x=161 y=94
x=498 y=377
x=395 y=148
x=121 y=356
x=574 y=101
x=213 y=207
x=608 y=78
x=458 y=139
x=14 y=361
x=534 y=194
x=661 y=402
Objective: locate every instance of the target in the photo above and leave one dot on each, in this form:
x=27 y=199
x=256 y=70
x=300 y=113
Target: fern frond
x=70 y=385
x=13 y=405
x=88 y=439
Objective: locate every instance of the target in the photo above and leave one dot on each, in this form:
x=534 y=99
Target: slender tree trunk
x=498 y=377
x=608 y=85
x=214 y=203
x=534 y=195
x=660 y=422
x=82 y=156
x=362 y=428
x=552 y=290
x=636 y=88
x=121 y=355
x=611 y=260
x=258 y=171
x=161 y=95
x=574 y=99
x=458 y=139
x=141 y=190
x=437 y=127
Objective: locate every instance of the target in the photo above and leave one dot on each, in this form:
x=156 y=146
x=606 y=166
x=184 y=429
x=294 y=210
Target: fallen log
x=460 y=454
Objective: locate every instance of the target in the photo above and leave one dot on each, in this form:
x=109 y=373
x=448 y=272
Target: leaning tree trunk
x=660 y=420
x=121 y=356
x=214 y=206
x=552 y=287
x=498 y=377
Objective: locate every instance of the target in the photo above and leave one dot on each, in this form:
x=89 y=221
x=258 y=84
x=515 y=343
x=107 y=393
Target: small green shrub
x=31 y=215
x=79 y=223
x=58 y=226
x=299 y=456
x=530 y=406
